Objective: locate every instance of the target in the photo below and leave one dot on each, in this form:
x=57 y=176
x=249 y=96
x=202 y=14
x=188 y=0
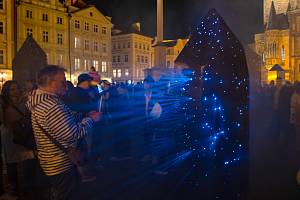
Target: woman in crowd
x=17 y=158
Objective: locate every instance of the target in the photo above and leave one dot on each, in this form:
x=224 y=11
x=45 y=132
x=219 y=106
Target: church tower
x=281 y=6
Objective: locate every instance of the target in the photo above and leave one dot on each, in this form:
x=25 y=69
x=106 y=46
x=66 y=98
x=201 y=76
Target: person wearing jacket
x=295 y=113
x=49 y=114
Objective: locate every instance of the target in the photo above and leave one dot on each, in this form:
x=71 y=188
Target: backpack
x=23 y=132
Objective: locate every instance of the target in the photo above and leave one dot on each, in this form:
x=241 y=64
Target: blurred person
x=19 y=159
x=295 y=113
x=57 y=131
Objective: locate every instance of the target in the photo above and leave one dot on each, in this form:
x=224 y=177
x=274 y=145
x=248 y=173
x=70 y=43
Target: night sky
x=245 y=17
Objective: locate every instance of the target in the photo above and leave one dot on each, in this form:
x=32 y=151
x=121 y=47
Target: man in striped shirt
x=50 y=114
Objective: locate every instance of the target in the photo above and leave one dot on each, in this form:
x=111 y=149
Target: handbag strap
x=53 y=140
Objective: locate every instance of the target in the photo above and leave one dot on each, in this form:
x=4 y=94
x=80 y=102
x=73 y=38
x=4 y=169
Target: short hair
x=47 y=74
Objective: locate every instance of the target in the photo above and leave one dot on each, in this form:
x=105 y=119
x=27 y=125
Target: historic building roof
x=277 y=21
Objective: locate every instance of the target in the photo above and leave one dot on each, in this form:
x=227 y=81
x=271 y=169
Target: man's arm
x=64 y=126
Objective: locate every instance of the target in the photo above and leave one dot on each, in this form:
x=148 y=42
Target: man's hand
x=96 y=116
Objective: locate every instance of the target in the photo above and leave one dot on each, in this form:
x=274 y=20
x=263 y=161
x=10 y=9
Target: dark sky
x=245 y=17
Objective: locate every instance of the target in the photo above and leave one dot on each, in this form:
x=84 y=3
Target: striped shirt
x=50 y=113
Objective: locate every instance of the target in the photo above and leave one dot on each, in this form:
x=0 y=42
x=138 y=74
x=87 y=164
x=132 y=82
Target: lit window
x=104 y=30
x=96 y=28
x=146 y=59
x=77 y=24
x=86 y=26
x=60 y=59
x=45 y=17
x=104 y=66
x=29 y=32
x=104 y=49
x=283 y=53
x=29 y=14
x=1 y=27
x=85 y=64
x=77 y=63
x=77 y=42
x=59 y=20
x=119 y=73
x=95 y=46
x=45 y=36
x=263 y=57
x=126 y=72
x=1 y=57
x=1 y=4
x=86 y=44
x=138 y=59
x=126 y=58
x=59 y=38
x=96 y=64
x=114 y=73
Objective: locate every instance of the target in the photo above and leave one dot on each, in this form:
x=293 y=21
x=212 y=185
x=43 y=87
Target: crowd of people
x=55 y=135
x=63 y=134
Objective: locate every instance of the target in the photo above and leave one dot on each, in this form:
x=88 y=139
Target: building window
x=59 y=38
x=169 y=52
x=29 y=32
x=60 y=58
x=77 y=24
x=114 y=73
x=119 y=73
x=86 y=64
x=77 y=63
x=59 y=20
x=96 y=28
x=1 y=57
x=104 y=66
x=138 y=59
x=146 y=59
x=142 y=59
x=96 y=64
x=140 y=46
x=126 y=72
x=1 y=27
x=104 y=48
x=114 y=46
x=128 y=45
x=168 y=63
x=104 y=30
x=283 y=54
x=264 y=57
x=45 y=17
x=135 y=45
x=86 y=26
x=114 y=58
x=29 y=14
x=1 y=4
x=126 y=58
x=77 y=42
x=124 y=46
x=144 y=46
x=95 y=46
x=148 y=47
x=86 y=44
x=119 y=46
x=119 y=58
x=45 y=36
